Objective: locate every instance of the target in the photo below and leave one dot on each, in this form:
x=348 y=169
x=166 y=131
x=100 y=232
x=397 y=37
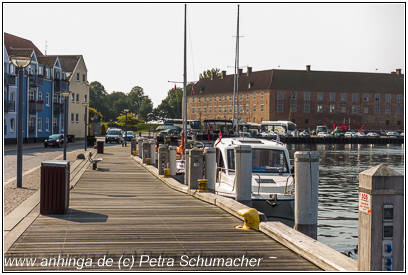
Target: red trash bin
x=54 y=188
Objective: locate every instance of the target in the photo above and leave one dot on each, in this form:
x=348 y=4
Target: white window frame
x=47 y=124
x=39 y=124
x=306 y=110
x=47 y=99
x=12 y=125
x=77 y=118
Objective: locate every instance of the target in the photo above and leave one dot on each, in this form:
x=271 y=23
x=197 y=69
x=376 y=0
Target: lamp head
x=20 y=61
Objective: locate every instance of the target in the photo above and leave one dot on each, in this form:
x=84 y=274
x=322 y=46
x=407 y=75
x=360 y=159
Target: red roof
x=14 y=42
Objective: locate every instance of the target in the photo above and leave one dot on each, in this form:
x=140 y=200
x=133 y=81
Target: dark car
x=129 y=135
x=54 y=140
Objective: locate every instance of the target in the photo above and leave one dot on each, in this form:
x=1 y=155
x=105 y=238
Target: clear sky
x=125 y=45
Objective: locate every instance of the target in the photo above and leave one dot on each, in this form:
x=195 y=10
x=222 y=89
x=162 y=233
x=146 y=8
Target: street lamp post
x=85 y=120
x=20 y=62
x=65 y=94
x=126 y=112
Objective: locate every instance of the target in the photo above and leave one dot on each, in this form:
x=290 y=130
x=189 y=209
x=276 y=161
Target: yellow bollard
x=202 y=185
x=251 y=219
x=134 y=153
x=167 y=172
x=148 y=161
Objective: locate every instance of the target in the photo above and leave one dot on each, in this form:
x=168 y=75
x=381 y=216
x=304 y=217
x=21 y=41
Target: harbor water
x=340 y=165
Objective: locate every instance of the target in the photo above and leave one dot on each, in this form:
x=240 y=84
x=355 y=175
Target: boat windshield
x=263 y=161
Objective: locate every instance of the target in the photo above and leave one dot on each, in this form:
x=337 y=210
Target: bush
x=103 y=129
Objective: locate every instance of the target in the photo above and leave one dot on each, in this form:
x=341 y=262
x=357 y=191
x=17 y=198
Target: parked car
x=170 y=132
x=324 y=134
x=114 y=135
x=373 y=134
x=392 y=134
x=350 y=134
x=304 y=134
x=54 y=140
x=267 y=134
x=129 y=135
x=361 y=134
x=338 y=133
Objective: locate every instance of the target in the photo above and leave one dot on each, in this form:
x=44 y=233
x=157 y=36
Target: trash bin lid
x=57 y=163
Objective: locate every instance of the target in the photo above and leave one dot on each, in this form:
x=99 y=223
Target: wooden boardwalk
x=123 y=212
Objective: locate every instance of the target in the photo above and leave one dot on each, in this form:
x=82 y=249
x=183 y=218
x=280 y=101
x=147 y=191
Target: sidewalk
x=12 y=147
x=124 y=215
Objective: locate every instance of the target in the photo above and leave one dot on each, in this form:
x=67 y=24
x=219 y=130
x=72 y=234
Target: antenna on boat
x=235 y=93
x=185 y=82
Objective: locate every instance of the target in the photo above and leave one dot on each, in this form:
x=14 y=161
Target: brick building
x=308 y=98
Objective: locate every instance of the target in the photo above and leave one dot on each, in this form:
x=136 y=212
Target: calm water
x=338 y=188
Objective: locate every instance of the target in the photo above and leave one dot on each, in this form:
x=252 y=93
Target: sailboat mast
x=235 y=93
x=185 y=81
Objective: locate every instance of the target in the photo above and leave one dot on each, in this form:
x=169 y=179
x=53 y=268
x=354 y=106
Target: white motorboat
x=272 y=180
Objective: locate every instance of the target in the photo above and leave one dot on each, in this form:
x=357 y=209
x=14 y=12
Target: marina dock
x=124 y=213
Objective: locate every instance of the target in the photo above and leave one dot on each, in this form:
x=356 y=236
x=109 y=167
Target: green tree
x=208 y=73
x=97 y=95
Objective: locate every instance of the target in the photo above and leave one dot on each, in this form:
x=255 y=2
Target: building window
x=399 y=111
x=343 y=109
x=77 y=118
x=365 y=110
x=54 y=122
x=73 y=97
x=47 y=99
x=192 y=110
x=333 y=97
x=230 y=109
x=343 y=97
x=306 y=108
x=388 y=109
x=31 y=95
x=204 y=99
x=215 y=99
x=85 y=98
x=387 y=122
x=247 y=108
x=40 y=70
x=279 y=108
x=319 y=108
x=332 y=108
x=387 y=98
x=83 y=78
x=199 y=99
x=225 y=109
x=230 y=97
x=209 y=109
x=262 y=95
x=306 y=96
x=12 y=125
x=399 y=99
x=39 y=124
x=366 y=97
x=281 y=95
x=354 y=97
x=306 y=121
x=210 y=99
x=72 y=117
x=40 y=96
x=377 y=109
x=319 y=96
x=262 y=107
x=77 y=98
x=293 y=108
x=377 y=97
x=254 y=95
x=293 y=95
x=77 y=78
x=205 y=110
x=254 y=108
x=247 y=96
x=354 y=109
x=47 y=124
x=240 y=97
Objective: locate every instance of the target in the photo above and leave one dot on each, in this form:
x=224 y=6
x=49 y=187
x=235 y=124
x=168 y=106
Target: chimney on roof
x=224 y=74
x=398 y=71
x=307 y=68
x=249 y=71
x=239 y=71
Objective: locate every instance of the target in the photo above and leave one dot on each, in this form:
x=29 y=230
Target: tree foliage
x=208 y=73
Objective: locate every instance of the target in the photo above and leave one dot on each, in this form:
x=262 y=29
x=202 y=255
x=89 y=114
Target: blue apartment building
x=44 y=80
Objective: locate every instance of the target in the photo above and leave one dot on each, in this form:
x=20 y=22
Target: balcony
x=35 y=81
x=32 y=107
x=40 y=106
x=58 y=108
x=9 y=106
x=60 y=85
x=9 y=79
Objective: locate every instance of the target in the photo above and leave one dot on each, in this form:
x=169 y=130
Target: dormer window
x=77 y=76
x=40 y=70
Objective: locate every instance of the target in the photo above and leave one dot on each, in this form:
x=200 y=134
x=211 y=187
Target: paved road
x=32 y=157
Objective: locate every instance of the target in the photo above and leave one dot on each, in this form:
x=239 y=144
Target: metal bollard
x=146 y=150
x=140 y=147
x=132 y=146
x=163 y=158
x=306 y=192
x=195 y=168
x=202 y=185
x=381 y=220
x=153 y=152
x=210 y=167
x=243 y=174
x=172 y=158
x=186 y=165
